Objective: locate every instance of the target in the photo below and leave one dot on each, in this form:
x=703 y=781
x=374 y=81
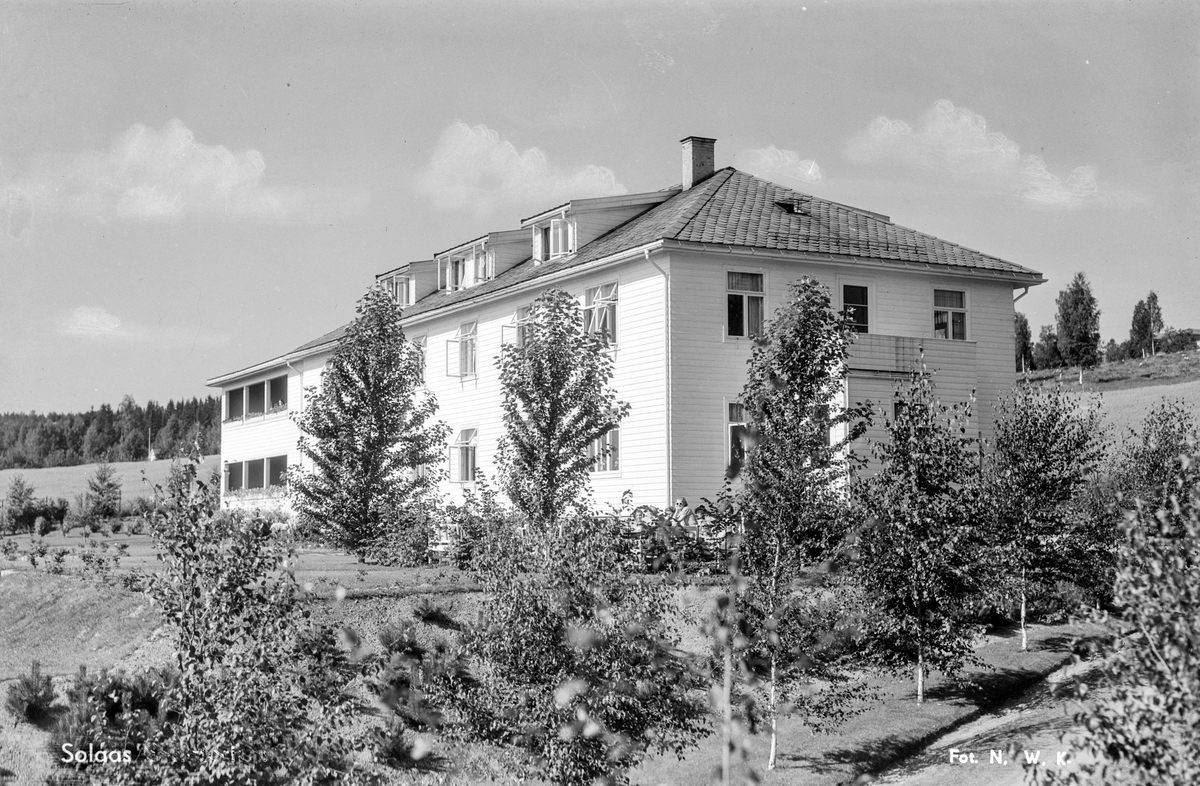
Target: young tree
x=1145 y=728
x=1154 y=311
x=1045 y=353
x=1024 y=342
x=18 y=504
x=1148 y=457
x=1140 y=332
x=919 y=556
x=795 y=473
x=366 y=431
x=1046 y=448
x=103 y=497
x=1078 y=323
x=556 y=404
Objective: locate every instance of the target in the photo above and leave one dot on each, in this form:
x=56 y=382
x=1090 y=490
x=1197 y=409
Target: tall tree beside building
x=557 y=407
x=368 y=431
x=920 y=558
x=794 y=488
x=1078 y=323
x=1024 y=342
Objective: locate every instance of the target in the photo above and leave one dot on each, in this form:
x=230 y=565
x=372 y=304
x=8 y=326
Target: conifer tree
x=556 y=404
x=367 y=431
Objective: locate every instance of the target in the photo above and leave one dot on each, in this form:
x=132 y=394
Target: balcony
x=900 y=354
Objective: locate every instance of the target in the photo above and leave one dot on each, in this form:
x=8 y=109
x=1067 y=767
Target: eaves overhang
x=278 y=362
x=1024 y=277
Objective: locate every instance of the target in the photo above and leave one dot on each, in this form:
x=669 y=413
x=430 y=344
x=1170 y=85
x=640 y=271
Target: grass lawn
x=889 y=730
x=68 y=481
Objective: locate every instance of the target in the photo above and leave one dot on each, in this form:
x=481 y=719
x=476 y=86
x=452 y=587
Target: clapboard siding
x=639 y=379
x=709 y=369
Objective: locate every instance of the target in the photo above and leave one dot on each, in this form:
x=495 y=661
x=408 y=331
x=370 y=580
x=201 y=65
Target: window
x=485 y=265
x=554 y=239
x=460 y=352
x=736 y=417
x=256 y=399
x=462 y=457
x=744 y=309
x=518 y=332
x=400 y=288
x=600 y=312
x=254 y=474
x=452 y=273
x=950 y=314
x=276 y=470
x=605 y=452
x=419 y=343
x=235 y=402
x=233 y=477
x=854 y=302
x=277 y=389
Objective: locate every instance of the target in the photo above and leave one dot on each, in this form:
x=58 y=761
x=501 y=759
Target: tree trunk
x=920 y=676
x=1024 y=637
x=727 y=725
x=774 y=719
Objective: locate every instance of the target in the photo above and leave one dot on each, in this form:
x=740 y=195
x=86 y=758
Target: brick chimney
x=698 y=159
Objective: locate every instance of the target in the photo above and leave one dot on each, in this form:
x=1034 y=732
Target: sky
x=187 y=189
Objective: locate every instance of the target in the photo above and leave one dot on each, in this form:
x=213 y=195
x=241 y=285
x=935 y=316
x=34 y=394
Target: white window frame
x=730 y=424
x=516 y=333
x=553 y=238
x=601 y=305
x=421 y=343
x=464 y=453
x=950 y=311
x=401 y=288
x=872 y=303
x=745 y=294
x=462 y=351
x=610 y=463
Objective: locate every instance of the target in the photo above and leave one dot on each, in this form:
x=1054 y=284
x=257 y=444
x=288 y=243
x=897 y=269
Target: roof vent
x=795 y=208
x=699 y=159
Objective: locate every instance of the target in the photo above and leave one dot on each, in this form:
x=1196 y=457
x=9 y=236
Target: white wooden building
x=682 y=278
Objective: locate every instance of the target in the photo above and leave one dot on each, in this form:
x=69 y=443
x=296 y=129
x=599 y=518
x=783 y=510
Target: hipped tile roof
x=732 y=208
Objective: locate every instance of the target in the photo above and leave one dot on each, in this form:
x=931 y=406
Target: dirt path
x=1030 y=725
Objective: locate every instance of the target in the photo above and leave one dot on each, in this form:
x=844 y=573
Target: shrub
x=1143 y=729
x=576 y=666
x=114 y=711
x=31 y=697
x=8 y=548
x=261 y=691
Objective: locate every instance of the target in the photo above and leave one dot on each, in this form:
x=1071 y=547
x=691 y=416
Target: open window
x=419 y=343
x=518 y=332
x=460 y=352
x=605 y=452
x=462 y=457
x=600 y=312
x=552 y=239
x=736 y=420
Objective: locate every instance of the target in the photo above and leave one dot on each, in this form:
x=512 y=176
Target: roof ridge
x=680 y=223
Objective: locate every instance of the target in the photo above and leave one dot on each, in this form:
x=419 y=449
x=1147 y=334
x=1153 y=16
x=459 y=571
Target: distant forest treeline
x=64 y=440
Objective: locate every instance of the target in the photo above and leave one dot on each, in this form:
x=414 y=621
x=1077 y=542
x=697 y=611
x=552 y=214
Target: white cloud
x=472 y=168
x=956 y=141
x=94 y=322
x=91 y=321
x=771 y=163
x=158 y=175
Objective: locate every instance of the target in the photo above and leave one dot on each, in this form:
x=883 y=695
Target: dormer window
x=401 y=288
x=466 y=267
x=552 y=239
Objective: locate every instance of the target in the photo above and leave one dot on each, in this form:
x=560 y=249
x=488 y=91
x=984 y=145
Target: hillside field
x=69 y=481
